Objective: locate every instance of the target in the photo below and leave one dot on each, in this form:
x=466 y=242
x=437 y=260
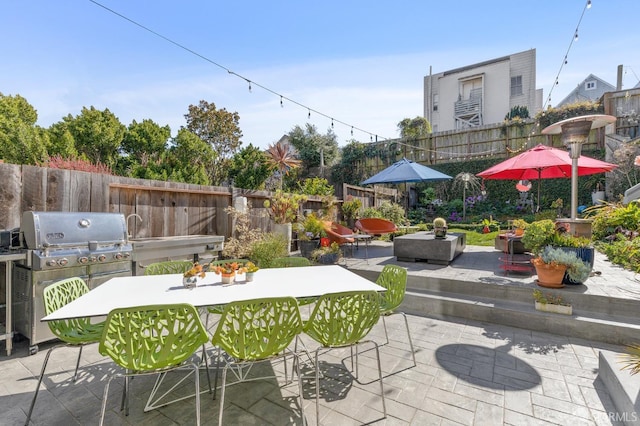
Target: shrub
x=264 y=251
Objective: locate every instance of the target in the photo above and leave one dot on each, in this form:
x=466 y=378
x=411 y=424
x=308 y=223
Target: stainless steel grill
x=93 y=246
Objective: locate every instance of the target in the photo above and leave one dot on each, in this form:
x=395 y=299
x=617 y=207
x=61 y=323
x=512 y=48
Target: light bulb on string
x=576 y=36
x=281 y=104
x=249 y=81
x=351 y=130
x=309 y=115
x=588 y=4
x=332 y=123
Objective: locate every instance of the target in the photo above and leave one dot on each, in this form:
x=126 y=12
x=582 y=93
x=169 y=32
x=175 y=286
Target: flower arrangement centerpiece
x=190 y=277
x=229 y=270
x=250 y=270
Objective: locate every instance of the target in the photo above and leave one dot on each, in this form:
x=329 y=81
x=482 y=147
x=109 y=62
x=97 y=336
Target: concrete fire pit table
x=423 y=246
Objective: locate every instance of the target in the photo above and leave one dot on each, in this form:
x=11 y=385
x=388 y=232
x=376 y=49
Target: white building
x=482 y=93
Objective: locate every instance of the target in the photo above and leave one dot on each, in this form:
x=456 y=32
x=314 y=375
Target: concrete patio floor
x=468 y=373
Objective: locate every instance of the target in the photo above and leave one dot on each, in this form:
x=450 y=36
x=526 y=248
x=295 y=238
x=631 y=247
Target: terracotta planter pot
x=227 y=278
x=549 y=275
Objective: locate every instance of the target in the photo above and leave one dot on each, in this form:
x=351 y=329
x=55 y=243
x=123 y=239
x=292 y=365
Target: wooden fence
x=166 y=208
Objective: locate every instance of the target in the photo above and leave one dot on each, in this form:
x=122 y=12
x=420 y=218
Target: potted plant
x=251 y=269
x=350 y=209
x=537 y=235
x=228 y=271
x=190 y=277
x=440 y=227
x=327 y=255
x=519 y=225
x=548 y=302
x=283 y=209
x=309 y=230
x=553 y=262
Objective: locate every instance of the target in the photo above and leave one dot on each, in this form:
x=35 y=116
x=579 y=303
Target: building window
x=436 y=99
x=516 y=86
x=590 y=85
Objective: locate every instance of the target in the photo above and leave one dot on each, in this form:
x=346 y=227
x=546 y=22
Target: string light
x=281 y=104
x=229 y=71
x=566 y=56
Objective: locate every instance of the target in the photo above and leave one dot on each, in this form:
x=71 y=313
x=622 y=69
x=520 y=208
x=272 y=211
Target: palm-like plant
x=282 y=156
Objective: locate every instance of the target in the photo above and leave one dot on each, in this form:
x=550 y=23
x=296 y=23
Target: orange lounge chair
x=337 y=232
x=375 y=226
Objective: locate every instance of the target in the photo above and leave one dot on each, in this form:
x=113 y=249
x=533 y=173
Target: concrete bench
x=423 y=246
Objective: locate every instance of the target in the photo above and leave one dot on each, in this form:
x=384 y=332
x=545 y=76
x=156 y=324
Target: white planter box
x=558 y=309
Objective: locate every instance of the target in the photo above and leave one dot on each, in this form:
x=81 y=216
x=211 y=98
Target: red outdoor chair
x=375 y=226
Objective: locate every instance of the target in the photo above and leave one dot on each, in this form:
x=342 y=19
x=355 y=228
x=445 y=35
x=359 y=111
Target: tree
x=189 y=159
x=220 y=129
x=249 y=168
x=97 y=134
x=413 y=129
x=61 y=141
x=282 y=157
x=21 y=141
x=145 y=141
x=311 y=146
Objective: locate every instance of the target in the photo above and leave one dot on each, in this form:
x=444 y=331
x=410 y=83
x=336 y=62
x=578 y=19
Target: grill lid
x=44 y=230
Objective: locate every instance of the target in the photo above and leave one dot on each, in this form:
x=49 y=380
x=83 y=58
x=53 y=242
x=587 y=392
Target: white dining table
x=297 y=282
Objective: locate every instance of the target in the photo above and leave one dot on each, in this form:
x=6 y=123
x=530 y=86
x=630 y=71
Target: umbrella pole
x=539 y=175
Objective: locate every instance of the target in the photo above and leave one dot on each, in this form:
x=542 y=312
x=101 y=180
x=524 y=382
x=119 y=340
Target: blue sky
x=360 y=62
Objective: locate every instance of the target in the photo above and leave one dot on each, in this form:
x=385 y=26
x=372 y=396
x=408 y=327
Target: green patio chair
x=168 y=267
x=253 y=331
x=153 y=339
x=394 y=279
x=72 y=332
x=342 y=320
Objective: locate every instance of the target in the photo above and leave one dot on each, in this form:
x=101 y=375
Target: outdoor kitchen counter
x=8 y=258
x=147 y=250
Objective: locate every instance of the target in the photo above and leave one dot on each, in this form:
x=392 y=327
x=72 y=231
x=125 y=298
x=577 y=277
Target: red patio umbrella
x=544 y=162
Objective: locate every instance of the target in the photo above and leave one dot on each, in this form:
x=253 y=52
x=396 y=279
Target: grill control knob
x=52 y=263
x=126 y=255
x=102 y=258
x=117 y=256
x=63 y=261
x=83 y=260
x=92 y=259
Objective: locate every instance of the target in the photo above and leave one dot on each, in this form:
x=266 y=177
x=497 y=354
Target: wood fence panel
x=10 y=214
x=183 y=212
x=80 y=192
x=34 y=188
x=58 y=196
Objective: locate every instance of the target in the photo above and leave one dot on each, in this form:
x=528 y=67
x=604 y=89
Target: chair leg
x=413 y=352
x=215 y=374
x=197 y=385
x=384 y=324
x=105 y=395
x=384 y=406
x=206 y=363
x=317 y=388
x=304 y=420
x=35 y=395
x=75 y=374
x=224 y=383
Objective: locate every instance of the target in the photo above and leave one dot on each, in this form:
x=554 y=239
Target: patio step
x=586 y=324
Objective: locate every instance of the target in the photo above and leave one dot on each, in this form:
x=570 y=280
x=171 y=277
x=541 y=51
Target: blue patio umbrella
x=405 y=171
